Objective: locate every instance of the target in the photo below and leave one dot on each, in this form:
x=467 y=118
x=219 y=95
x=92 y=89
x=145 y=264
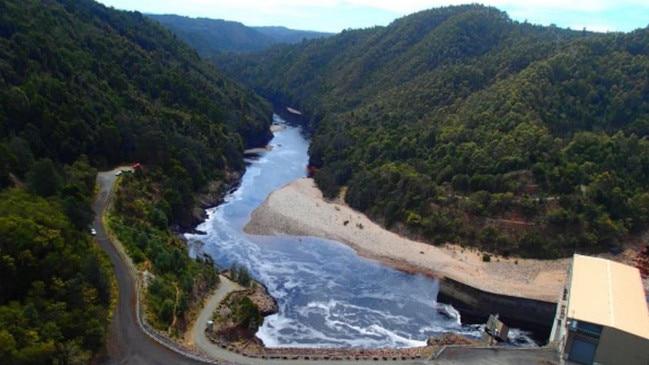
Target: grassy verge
x=174 y=283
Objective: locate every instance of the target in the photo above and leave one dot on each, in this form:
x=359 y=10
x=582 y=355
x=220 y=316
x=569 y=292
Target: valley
x=453 y=155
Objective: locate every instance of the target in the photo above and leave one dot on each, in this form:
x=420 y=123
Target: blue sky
x=336 y=15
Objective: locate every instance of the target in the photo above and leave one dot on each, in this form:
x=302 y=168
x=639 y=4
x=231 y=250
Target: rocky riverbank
x=263 y=300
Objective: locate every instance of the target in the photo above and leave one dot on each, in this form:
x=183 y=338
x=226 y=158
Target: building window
x=590 y=330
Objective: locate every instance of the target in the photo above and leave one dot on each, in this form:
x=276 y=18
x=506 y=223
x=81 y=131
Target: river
x=328 y=296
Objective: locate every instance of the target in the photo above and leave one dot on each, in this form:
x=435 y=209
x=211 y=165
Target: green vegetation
x=211 y=36
x=240 y=274
x=238 y=317
x=78 y=78
x=460 y=125
x=175 y=283
x=84 y=87
x=55 y=289
x=247 y=314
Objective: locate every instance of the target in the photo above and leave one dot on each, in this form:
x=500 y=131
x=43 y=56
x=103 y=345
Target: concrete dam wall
x=475 y=306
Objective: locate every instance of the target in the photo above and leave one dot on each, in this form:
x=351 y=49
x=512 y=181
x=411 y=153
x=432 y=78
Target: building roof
x=608 y=293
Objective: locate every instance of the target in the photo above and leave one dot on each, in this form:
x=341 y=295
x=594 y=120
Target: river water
x=328 y=296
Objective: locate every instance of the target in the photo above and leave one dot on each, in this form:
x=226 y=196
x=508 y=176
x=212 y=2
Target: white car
x=93 y=231
x=118 y=173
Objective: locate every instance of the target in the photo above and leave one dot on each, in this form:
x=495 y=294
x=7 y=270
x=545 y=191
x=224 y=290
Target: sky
x=337 y=15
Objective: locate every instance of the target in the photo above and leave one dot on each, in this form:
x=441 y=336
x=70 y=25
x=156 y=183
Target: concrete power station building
x=602 y=317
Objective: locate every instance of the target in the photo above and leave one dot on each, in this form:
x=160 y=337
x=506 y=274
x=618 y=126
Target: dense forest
x=211 y=36
x=82 y=88
x=55 y=290
x=175 y=283
x=78 y=78
x=460 y=125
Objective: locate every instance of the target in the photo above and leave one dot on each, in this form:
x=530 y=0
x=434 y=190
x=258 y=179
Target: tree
x=51 y=273
x=247 y=314
x=166 y=314
x=43 y=179
x=467 y=99
x=243 y=276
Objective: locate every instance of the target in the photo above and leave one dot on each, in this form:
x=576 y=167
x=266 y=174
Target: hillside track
x=127 y=343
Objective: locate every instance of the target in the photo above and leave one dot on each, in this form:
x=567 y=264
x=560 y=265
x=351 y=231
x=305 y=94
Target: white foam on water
x=352 y=324
x=327 y=296
x=292 y=334
x=448 y=311
x=521 y=338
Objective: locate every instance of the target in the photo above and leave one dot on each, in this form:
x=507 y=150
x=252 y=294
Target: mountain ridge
x=84 y=87
x=450 y=122
x=210 y=36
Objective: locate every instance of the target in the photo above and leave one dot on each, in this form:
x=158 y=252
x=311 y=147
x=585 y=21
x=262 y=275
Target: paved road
x=198 y=330
x=496 y=356
x=216 y=352
x=127 y=343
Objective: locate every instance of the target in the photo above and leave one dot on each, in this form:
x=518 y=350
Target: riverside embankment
x=131 y=344
x=328 y=296
x=442 y=351
x=522 y=291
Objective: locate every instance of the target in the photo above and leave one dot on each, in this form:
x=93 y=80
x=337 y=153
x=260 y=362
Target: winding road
x=128 y=343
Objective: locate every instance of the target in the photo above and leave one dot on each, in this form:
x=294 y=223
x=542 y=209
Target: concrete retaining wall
x=475 y=306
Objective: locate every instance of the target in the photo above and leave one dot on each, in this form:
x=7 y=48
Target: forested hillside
x=212 y=36
x=81 y=79
x=55 y=287
x=286 y=35
x=83 y=88
x=460 y=125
